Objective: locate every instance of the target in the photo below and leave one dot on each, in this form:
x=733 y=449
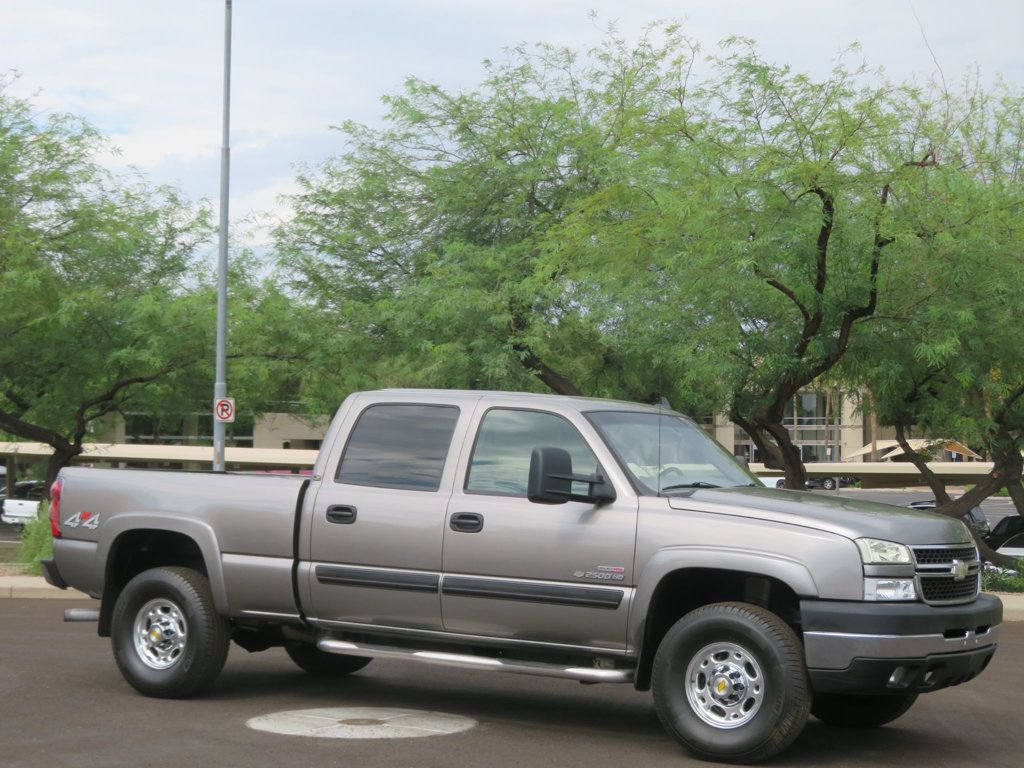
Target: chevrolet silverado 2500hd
x=592 y=540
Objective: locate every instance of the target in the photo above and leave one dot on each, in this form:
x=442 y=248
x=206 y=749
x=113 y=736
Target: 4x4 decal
x=87 y=520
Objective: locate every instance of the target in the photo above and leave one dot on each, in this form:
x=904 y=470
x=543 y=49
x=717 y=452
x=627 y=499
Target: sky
x=149 y=74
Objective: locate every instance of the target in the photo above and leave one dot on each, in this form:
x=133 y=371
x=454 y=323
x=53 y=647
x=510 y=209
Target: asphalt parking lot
x=64 y=703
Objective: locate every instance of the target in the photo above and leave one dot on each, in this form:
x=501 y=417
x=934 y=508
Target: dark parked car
x=975 y=518
x=827 y=483
x=1005 y=528
x=1013 y=546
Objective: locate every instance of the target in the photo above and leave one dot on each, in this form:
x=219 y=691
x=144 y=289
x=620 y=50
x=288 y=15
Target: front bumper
x=897 y=647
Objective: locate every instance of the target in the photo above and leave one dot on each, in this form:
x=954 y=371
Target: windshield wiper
x=695 y=484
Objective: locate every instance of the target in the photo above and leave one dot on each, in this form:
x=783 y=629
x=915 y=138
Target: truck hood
x=846 y=517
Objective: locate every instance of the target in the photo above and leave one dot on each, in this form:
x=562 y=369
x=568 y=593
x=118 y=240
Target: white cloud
x=149 y=74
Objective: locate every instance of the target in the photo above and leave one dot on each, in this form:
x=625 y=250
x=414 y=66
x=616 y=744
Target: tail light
x=55 y=507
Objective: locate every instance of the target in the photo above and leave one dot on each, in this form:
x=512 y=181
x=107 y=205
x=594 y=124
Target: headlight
x=877 y=552
x=889 y=589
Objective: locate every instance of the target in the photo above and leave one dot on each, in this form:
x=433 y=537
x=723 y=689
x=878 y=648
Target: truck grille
x=947 y=575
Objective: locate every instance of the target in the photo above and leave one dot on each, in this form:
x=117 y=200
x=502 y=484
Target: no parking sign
x=224 y=409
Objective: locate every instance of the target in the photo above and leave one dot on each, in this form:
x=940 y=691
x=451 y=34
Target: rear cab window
x=401 y=446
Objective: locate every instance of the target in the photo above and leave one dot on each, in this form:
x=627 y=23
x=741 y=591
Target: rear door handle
x=341 y=514
x=466 y=522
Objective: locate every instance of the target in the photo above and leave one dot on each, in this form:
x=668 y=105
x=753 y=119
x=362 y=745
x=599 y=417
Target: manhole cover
x=360 y=723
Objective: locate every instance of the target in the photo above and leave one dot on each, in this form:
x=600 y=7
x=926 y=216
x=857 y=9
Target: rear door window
x=399 y=446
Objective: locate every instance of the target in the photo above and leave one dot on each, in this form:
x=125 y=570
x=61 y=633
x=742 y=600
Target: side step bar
x=467 y=661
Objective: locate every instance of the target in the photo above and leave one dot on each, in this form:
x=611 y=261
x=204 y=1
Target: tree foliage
x=641 y=220
x=950 y=363
x=98 y=281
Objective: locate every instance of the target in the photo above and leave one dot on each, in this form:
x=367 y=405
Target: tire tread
x=789 y=646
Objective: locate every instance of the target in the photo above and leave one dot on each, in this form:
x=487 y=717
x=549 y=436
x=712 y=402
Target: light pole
x=220 y=385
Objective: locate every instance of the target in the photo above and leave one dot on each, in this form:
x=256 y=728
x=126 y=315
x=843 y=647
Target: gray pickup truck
x=593 y=540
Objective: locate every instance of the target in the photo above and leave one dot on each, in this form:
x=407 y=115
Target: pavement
x=66 y=704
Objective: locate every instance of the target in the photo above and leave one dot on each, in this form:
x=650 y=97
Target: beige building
x=827 y=425
x=270 y=430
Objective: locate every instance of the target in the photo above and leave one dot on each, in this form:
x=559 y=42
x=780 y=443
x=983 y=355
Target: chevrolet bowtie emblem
x=959 y=570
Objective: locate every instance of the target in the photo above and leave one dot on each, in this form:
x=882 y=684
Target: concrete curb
x=35 y=587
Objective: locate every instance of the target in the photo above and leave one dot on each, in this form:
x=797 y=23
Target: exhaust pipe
x=81 y=614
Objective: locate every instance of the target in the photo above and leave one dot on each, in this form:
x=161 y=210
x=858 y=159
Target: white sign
x=224 y=409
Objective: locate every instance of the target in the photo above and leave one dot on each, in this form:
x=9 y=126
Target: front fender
x=667 y=560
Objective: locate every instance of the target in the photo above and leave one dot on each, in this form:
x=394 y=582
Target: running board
x=467 y=661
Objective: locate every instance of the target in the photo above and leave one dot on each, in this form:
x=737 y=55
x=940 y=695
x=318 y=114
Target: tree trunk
x=778 y=449
x=987 y=554
x=59 y=459
x=11 y=476
x=1007 y=468
x=938 y=486
x=1017 y=496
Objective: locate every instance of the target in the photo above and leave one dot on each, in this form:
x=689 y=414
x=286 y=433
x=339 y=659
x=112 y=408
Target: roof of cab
x=579 y=403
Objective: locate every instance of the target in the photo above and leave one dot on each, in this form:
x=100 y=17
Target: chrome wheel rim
x=160 y=634
x=724 y=685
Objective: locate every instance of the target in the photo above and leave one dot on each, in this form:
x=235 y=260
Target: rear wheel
x=829 y=483
x=850 y=711
x=730 y=683
x=167 y=638
x=322 y=664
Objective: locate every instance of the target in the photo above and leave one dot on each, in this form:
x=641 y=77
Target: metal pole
x=220 y=386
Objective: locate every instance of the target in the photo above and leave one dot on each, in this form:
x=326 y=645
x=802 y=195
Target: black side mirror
x=551 y=479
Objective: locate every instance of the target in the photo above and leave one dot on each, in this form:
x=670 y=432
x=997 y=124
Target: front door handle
x=342 y=514
x=466 y=522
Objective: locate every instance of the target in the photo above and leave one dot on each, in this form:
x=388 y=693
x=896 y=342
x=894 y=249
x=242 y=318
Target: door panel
x=376 y=530
x=560 y=573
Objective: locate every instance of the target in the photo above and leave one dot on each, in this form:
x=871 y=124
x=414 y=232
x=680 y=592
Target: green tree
x=769 y=218
x=427 y=243
x=951 y=365
x=635 y=221
x=98 y=282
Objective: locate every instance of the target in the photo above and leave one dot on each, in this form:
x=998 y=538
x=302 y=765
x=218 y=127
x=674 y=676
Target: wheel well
x=682 y=591
x=136 y=551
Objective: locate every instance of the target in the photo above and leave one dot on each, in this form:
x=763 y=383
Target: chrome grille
x=944 y=589
x=938 y=555
x=947 y=575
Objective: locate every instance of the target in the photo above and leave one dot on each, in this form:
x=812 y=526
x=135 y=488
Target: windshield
x=664 y=453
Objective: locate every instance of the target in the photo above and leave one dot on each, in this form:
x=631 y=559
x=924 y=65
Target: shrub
x=1003 y=580
x=36 y=540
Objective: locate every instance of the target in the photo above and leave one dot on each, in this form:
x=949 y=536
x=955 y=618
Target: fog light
x=889 y=589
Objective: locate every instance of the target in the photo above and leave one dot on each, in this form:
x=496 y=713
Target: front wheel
x=167 y=638
x=829 y=484
x=730 y=683
x=851 y=711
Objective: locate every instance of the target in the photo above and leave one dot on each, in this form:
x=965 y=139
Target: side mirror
x=551 y=479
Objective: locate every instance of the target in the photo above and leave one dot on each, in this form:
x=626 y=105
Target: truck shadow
x=561 y=706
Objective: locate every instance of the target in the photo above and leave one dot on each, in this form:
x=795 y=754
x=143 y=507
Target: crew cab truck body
x=592 y=540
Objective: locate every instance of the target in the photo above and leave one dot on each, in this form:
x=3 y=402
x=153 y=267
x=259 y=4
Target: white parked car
x=24 y=504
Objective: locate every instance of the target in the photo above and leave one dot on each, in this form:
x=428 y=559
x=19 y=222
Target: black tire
x=849 y=711
x=165 y=665
x=770 y=666
x=323 y=664
x=781 y=483
x=829 y=483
